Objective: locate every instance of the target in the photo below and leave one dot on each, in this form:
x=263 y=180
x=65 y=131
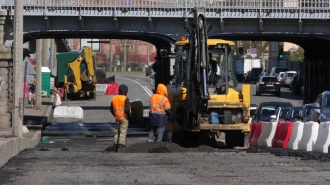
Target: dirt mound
x=322 y=157
x=164 y=147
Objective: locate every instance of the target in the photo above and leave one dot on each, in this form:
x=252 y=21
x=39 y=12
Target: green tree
x=297 y=55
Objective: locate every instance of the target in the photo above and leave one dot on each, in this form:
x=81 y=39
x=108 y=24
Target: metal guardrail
x=215 y=5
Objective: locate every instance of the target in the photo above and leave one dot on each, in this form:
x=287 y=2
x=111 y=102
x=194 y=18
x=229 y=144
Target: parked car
x=149 y=70
x=292 y=113
x=268 y=84
x=280 y=76
x=254 y=74
x=276 y=70
x=266 y=109
x=253 y=108
x=321 y=108
x=287 y=78
x=304 y=112
x=280 y=114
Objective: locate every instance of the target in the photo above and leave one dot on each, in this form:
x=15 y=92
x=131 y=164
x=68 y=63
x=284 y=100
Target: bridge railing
x=215 y=5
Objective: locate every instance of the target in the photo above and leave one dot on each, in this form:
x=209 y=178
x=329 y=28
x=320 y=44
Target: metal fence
x=224 y=5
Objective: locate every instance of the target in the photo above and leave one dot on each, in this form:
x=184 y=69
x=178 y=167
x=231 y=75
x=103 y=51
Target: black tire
x=258 y=93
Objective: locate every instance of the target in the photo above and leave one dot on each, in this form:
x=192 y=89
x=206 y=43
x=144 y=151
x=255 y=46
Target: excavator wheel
x=93 y=96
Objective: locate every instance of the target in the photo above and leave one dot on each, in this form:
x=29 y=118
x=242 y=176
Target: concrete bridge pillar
x=6 y=82
x=317 y=77
x=45 y=52
x=52 y=64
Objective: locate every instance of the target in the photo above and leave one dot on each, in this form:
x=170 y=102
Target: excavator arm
x=81 y=69
x=197 y=89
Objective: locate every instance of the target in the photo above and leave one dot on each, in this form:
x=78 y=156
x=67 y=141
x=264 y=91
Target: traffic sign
x=254 y=51
x=286 y=55
x=253 y=55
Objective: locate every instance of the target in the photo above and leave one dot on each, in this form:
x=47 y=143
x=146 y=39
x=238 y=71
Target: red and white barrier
x=267 y=134
x=297 y=132
x=323 y=138
x=252 y=130
x=277 y=133
x=309 y=136
x=256 y=134
x=285 y=131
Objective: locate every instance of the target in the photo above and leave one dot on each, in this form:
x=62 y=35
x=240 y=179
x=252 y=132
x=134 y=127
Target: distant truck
x=243 y=66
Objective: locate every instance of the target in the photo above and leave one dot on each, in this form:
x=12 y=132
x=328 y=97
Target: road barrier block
x=309 y=136
x=297 y=131
x=137 y=112
x=285 y=132
x=101 y=87
x=323 y=138
x=68 y=112
x=277 y=133
x=112 y=89
x=257 y=133
x=267 y=134
x=252 y=129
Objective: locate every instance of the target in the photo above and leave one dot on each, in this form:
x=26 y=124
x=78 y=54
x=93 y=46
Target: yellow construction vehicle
x=226 y=111
x=80 y=80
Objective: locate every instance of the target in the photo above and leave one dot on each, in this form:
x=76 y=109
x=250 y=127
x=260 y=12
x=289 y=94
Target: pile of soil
x=304 y=155
x=164 y=147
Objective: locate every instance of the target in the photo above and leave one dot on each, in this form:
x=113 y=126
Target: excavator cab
x=222 y=52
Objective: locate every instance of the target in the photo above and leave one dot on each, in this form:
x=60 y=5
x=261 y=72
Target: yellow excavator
x=80 y=80
x=197 y=116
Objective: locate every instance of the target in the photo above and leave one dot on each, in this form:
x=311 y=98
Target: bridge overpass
x=161 y=22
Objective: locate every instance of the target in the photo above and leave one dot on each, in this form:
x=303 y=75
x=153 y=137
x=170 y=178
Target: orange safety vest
x=118 y=104
x=157 y=105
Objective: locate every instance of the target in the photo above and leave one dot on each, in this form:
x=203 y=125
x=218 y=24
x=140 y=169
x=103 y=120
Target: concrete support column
x=45 y=53
x=52 y=64
x=6 y=82
x=38 y=100
x=18 y=66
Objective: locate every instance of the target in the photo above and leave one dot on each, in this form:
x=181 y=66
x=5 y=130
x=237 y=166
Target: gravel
x=280 y=152
x=163 y=147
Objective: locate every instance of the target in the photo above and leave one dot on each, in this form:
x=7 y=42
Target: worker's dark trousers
x=156 y=131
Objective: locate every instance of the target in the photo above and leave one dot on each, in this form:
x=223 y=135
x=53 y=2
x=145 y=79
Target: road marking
x=145 y=88
x=149 y=90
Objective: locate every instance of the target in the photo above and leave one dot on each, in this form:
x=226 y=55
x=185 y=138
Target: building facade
x=111 y=53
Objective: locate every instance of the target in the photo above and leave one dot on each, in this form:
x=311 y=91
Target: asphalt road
x=71 y=152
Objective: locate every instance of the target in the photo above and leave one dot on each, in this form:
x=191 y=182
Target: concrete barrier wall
x=68 y=112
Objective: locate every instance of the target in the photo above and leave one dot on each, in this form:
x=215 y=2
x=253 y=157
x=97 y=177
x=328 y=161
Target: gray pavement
x=84 y=162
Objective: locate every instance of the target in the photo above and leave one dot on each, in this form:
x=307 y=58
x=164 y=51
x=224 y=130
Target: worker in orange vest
x=160 y=108
x=121 y=110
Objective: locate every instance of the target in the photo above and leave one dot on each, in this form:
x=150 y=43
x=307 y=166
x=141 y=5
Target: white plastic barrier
x=68 y=112
x=101 y=87
x=323 y=138
x=309 y=136
x=297 y=131
x=267 y=134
